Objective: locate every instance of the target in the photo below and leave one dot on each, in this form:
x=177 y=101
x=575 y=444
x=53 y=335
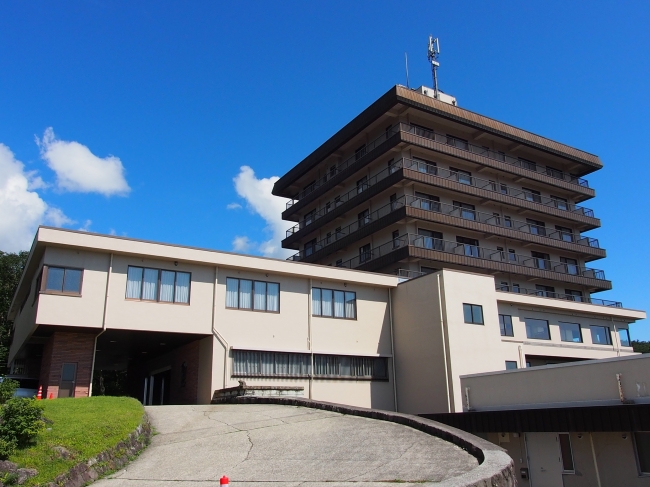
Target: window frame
x=321 y=315
x=252 y=308
x=573 y=462
x=502 y=326
x=629 y=339
x=608 y=335
x=158 y=283
x=512 y=362
x=636 y=454
x=581 y=339
x=471 y=308
x=42 y=289
x=548 y=329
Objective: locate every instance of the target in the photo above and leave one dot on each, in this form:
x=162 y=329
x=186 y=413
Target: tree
x=640 y=346
x=11 y=268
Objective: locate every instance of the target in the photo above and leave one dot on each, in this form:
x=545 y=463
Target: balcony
x=564 y=297
x=471 y=181
x=460 y=144
x=464 y=255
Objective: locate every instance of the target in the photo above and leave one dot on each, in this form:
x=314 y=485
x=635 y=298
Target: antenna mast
x=432 y=56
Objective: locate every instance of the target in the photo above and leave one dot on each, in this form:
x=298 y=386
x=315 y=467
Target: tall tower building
x=415 y=183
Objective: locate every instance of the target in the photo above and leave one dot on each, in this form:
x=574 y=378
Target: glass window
x=167 y=279
x=570 y=332
x=600 y=335
x=505 y=324
x=566 y=453
x=255 y=295
x=63 y=280
x=473 y=313
x=624 y=335
x=182 y=293
x=331 y=303
x=134 y=282
x=348 y=366
x=511 y=365
x=158 y=285
x=642 y=444
x=537 y=329
x=150 y=285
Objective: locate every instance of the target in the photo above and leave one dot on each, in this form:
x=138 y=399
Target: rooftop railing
x=554 y=295
x=435 y=207
x=443 y=139
x=474 y=251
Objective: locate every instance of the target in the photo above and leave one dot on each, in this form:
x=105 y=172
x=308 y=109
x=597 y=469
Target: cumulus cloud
x=22 y=209
x=79 y=170
x=257 y=193
x=241 y=244
x=86 y=226
x=233 y=206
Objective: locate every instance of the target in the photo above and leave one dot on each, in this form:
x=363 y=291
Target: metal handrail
x=432 y=170
x=554 y=295
x=430 y=243
x=445 y=209
x=408 y=274
x=443 y=139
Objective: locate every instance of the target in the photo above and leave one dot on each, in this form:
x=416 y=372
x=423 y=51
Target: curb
x=495 y=469
x=107 y=461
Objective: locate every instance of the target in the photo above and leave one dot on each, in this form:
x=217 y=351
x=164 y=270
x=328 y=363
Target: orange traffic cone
x=39 y=396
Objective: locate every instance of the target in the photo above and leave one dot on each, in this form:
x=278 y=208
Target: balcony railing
x=443 y=139
x=407 y=274
x=445 y=209
x=449 y=247
x=554 y=295
x=443 y=173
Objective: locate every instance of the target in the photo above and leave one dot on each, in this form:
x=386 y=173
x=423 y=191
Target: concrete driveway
x=285 y=445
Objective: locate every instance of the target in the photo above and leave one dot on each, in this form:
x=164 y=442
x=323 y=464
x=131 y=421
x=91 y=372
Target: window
x=429 y=239
x=496 y=218
x=571 y=295
x=424 y=166
x=566 y=233
x=503 y=189
x=63 y=280
x=560 y=203
x=362 y=184
x=469 y=245
x=507 y=221
x=554 y=173
x=335 y=366
x=516 y=288
x=545 y=291
x=502 y=254
x=473 y=313
x=600 y=335
x=537 y=329
x=511 y=365
x=463 y=177
x=392 y=167
x=310 y=247
x=526 y=164
x=360 y=152
x=532 y=195
x=642 y=448
x=542 y=260
x=328 y=238
x=333 y=304
x=504 y=286
x=396 y=241
x=252 y=295
x=332 y=171
x=536 y=227
x=624 y=336
x=393 y=201
x=327 y=207
x=456 y=142
x=466 y=210
x=427 y=202
x=158 y=285
x=270 y=364
x=570 y=266
x=565 y=451
x=570 y=332
x=512 y=256
x=309 y=217
x=505 y=324
x=364 y=253
x=363 y=218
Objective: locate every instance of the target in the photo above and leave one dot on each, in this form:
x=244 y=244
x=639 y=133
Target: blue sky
x=169 y=100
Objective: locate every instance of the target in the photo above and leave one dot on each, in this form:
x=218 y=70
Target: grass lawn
x=84 y=426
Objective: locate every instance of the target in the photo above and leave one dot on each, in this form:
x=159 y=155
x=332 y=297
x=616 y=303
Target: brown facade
x=71 y=349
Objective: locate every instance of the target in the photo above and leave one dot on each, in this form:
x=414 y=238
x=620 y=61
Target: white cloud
x=79 y=170
x=86 y=226
x=233 y=206
x=257 y=193
x=22 y=209
x=242 y=244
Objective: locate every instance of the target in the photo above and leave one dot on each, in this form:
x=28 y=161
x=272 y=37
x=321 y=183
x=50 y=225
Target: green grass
x=84 y=426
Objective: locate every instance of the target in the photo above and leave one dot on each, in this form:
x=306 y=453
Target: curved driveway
x=284 y=446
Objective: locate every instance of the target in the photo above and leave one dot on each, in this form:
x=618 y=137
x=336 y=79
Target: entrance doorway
x=544 y=459
x=68 y=380
x=156 y=388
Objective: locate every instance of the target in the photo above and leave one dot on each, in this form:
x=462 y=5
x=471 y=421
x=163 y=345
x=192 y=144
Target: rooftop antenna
x=432 y=56
x=406 y=56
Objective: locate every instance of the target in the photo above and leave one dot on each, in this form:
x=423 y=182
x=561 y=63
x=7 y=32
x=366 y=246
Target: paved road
x=284 y=446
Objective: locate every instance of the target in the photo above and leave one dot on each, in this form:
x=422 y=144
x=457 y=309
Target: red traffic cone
x=39 y=396
x=51 y=396
x=224 y=481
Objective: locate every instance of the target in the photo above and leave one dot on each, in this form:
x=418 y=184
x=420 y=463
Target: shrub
x=22 y=420
x=7 y=389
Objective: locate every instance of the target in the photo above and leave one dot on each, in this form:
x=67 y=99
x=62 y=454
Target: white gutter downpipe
x=108 y=282
x=309 y=338
x=444 y=344
x=392 y=346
